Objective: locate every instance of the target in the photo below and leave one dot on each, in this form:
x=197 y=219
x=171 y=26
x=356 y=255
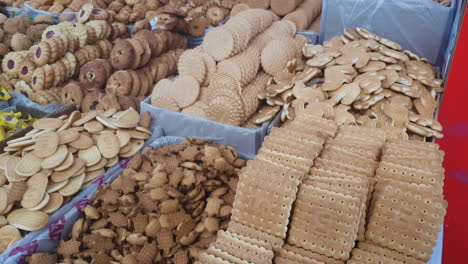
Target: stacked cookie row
x=305 y=14
x=60 y=157
x=221 y=79
x=171 y=202
x=368 y=80
x=124 y=80
x=59 y=56
x=58 y=6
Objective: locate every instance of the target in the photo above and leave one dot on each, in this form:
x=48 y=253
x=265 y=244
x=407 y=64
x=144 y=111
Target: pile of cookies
x=361 y=78
x=60 y=157
x=165 y=208
x=221 y=79
x=57 y=6
x=20 y=33
x=64 y=49
x=126 y=78
x=321 y=188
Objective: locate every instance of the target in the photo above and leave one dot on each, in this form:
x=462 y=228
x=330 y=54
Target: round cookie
x=120 y=83
x=93 y=75
x=109 y=101
x=135 y=83
x=72 y=94
x=185 y=90
x=127 y=102
x=123 y=55
x=150 y=38
x=92 y=101
x=192 y=63
x=139 y=50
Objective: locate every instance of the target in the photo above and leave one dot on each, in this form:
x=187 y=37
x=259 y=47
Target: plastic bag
x=421 y=26
x=56 y=17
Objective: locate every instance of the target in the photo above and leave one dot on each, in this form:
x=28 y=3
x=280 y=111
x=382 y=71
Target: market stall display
x=172 y=200
x=270 y=147
x=60 y=157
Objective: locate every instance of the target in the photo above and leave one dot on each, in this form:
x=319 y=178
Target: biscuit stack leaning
x=60 y=157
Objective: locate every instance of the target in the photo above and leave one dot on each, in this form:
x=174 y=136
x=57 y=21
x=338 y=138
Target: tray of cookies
x=61 y=156
x=172 y=201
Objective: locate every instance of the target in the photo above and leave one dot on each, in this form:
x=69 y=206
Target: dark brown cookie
x=144 y=83
x=127 y=101
x=123 y=55
x=72 y=94
x=92 y=101
x=120 y=83
x=139 y=50
x=150 y=38
x=93 y=75
x=145 y=58
x=136 y=83
x=109 y=101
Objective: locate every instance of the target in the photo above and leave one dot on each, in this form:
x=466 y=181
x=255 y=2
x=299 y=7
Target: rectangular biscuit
x=324 y=222
x=392 y=171
x=406 y=217
x=305 y=138
x=361 y=256
x=247 y=231
x=292 y=256
x=241 y=249
x=273 y=195
x=340 y=167
x=388 y=253
x=312 y=255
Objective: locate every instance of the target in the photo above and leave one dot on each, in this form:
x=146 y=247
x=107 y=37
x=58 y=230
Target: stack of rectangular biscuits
x=408 y=206
x=319 y=193
x=330 y=209
x=265 y=194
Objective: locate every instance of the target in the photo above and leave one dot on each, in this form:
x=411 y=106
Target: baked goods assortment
x=221 y=79
x=335 y=194
x=166 y=207
x=59 y=157
x=361 y=78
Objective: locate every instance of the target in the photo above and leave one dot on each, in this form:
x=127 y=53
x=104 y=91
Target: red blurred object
x=454 y=118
